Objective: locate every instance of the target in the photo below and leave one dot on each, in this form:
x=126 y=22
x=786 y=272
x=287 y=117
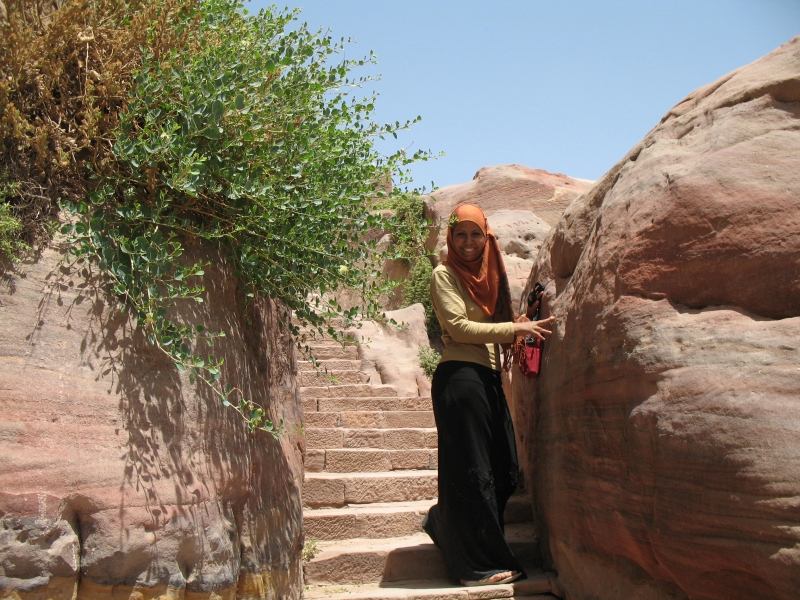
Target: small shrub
x=410 y=225
x=429 y=360
x=408 y=239
x=417 y=288
x=310 y=550
x=10 y=229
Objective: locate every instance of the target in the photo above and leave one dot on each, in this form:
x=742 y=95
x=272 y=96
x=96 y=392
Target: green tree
x=244 y=131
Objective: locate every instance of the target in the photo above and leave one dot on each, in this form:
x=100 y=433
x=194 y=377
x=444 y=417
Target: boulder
x=520 y=234
x=503 y=188
x=509 y=187
x=121 y=478
x=663 y=435
x=390 y=353
x=521 y=204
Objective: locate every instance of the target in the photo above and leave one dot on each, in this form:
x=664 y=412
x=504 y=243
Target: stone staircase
x=370 y=477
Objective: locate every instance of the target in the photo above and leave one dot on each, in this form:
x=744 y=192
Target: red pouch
x=530 y=361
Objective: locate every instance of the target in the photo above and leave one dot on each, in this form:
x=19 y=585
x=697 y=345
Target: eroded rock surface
x=510 y=187
x=664 y=433
x=119 y=478
x=521 y=204
x=520 y=234
x=391 y=353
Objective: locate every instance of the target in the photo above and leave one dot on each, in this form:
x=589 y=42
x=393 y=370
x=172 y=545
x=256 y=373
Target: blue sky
x=563 y=85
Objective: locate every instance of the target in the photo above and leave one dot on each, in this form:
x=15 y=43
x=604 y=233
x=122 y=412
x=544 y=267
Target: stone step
x=361 y=390
x=375 y=403
x=333 y=351
x=387 y=519
x=335 y=322
x=378 y=520
x=363 y=560
x=370 y=460
x=322 y=490
x=321 y=438
x=330 y=377
x=519 y=509
x=377 y=419
x=536 y=587
x=344 y=365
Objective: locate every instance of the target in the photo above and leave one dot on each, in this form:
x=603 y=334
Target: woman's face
x=468 y=240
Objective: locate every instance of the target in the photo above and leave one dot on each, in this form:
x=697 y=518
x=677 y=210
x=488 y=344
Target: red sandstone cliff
x=664 y=433
x=118 y=478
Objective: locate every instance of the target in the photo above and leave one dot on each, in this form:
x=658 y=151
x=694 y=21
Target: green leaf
x=235 y=143
x=217 y=110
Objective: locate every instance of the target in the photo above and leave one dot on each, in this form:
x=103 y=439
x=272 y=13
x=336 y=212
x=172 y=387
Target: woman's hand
x=534 y=328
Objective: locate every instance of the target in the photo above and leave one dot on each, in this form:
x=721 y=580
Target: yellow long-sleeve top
x=467 y=332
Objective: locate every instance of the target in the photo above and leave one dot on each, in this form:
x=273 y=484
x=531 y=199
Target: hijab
x=485 y=279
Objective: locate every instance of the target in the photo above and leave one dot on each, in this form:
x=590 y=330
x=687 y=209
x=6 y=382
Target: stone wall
x=118 y=477
x=664 y=433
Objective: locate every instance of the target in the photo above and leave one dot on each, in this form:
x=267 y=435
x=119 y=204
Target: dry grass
x=65 y=73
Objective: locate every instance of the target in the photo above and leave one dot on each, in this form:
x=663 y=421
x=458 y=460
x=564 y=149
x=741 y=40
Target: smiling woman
x=468 y=240
x=477 y=452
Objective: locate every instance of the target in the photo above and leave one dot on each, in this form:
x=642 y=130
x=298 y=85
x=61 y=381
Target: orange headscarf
x=485 y=279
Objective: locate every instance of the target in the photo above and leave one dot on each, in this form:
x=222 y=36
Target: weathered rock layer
x=118 y=477
x=521 y=204
x=664 y=433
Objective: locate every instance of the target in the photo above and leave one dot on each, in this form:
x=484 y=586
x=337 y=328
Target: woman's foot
x=504 y=577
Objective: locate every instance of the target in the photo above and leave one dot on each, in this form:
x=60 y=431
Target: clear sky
x=563 y=85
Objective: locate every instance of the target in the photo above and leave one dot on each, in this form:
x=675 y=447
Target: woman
x=477 y=452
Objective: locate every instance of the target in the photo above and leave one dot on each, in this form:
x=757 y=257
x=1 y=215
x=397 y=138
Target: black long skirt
x=478 y=471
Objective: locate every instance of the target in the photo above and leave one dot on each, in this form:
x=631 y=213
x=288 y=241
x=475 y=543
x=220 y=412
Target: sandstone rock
x=35 y=550
x=117 y=474
x=520 y=234
x=664 y=432
x=512 y=187
x=521 y=204
x=392 y=353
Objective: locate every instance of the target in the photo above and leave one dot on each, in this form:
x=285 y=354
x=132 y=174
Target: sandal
x=485 y=581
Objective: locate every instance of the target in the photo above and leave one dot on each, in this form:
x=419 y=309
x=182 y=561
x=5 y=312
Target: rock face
x=511 y=187
x=119 y=478
x=664 y=433
x=520 y=234
x=391 y=354
x=521 y=204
